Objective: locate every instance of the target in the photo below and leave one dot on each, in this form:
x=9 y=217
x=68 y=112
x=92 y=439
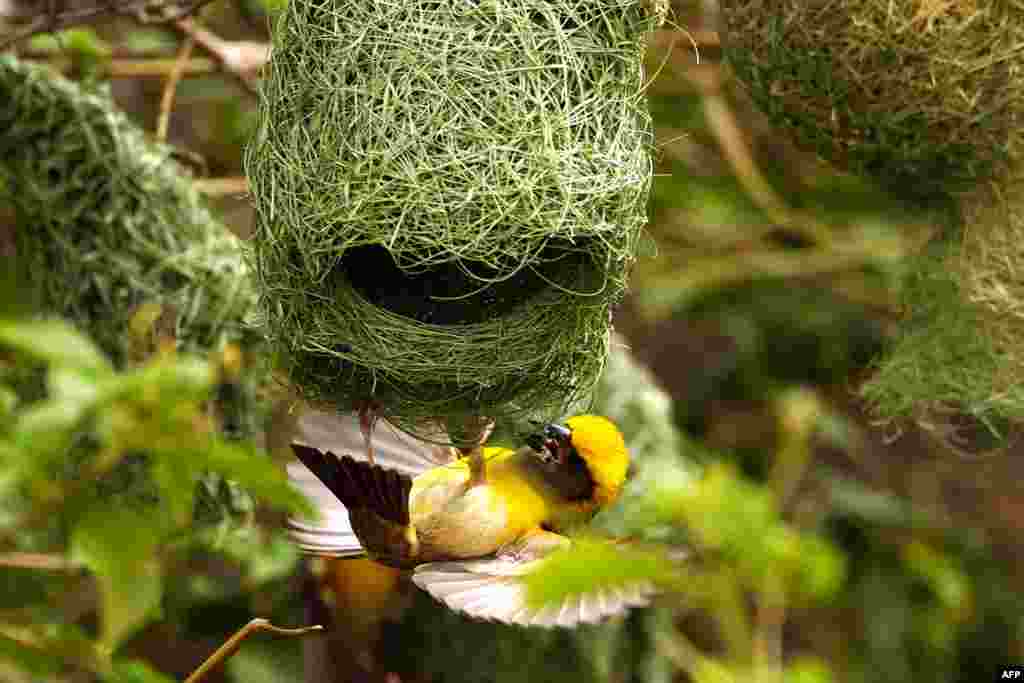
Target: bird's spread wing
x=360 y=485
x=332 y=534
x=493 y=589
x=320 y=436
x=392 y=449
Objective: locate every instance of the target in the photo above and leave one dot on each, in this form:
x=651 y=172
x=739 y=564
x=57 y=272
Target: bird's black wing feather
x=360 y=485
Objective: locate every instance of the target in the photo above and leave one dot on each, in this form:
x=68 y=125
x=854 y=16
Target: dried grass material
x=992 y=271
x=497 y=150
x=923 y=95
x=960 y=346
x=107 y=221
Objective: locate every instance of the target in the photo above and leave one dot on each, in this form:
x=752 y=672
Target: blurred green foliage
x=99 y=484
x=939 y=357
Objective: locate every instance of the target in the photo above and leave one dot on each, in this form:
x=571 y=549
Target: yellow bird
x=467 y=542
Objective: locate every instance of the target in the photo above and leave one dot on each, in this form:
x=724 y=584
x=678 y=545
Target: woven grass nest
x=449 y=195
x=928 y=99
x=924 y=96
x=107 y=222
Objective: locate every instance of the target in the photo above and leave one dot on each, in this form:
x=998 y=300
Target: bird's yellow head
x=601 y=446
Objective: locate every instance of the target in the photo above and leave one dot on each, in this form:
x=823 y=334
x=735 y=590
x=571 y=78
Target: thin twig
x=141 y=68
x=144 y=14
x=40 y=561
x=171 y=87
x=231 y=645
x=54 y=20
x=769 y=620
x=169 y=90
x=727 y=131
x=222 y=186
x=241 y=59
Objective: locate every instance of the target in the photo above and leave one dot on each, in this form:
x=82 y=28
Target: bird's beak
x=558 y=432
x=560 y=441
x=551 y=443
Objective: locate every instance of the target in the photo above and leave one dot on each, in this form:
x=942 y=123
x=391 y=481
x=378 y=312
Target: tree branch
x=240 y=58
x=55 y=16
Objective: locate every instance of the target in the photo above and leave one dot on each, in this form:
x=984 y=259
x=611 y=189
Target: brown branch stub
x=240 y=58
x=232 y=644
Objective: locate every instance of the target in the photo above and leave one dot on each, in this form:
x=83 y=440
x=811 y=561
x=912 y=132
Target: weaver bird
x=467 y=541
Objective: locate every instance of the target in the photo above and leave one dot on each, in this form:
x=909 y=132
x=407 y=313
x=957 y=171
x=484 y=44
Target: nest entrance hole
x=463 y=292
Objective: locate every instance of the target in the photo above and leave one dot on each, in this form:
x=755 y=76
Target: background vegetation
x=813 y=374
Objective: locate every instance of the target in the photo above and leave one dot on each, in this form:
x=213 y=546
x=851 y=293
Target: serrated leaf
x=53 y=341
x=119 y=546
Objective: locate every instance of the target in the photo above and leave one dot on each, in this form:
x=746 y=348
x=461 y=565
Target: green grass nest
x=924 y=96
x=449 y=195
x=107 y=222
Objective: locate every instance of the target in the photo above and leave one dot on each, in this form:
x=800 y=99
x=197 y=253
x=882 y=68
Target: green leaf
x=591 y=565
x=855 y=499
x=135 y=671
x=944 y=575
x=8 y=403
x=177 y=379
x=71 y=384
x=45 y=431
x=37 y=662
x=84 y=41
x=176 y=481
x=53 y=341
x=256 y=472
x=822 y=568
x=264 y=560
x=265 y=661
x=149 y=39
x=47 y=648
x=807 y=670
x=119 y=546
